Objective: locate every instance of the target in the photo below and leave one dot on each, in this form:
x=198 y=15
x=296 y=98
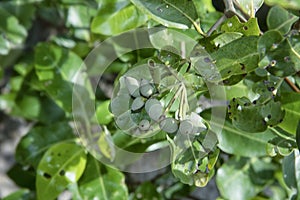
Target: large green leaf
x=291 y=105
x=225 y=38
x=290 y=4
x=242 y=179
x=280 y=56
x=170 y=13
x=230 y=60
x=237 y=90
x=256 y=116
x=280 y=19
x=102 y=182
x=250 y=6
x=231 y=140
x=61 y=165
x=32 y=146
x=248 y=28
x=115 y=17
x=291 y=169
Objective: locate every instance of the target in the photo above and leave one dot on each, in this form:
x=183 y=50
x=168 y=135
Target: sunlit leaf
x=117 y=21
x=290 y=4
x=104 y=116
x=250 y=6
x=61 y=165
x=233 y=61
x=290 y=169
x=170 y=13
x=248 y=28
x=254 y=116
x=280 y=19
x=102 y=182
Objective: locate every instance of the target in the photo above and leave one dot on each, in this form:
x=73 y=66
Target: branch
x=292 y=85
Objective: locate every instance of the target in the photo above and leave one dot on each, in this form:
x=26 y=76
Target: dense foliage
x=105 y=82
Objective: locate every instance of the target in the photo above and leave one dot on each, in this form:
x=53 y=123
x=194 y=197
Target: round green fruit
x=168 y=125
x=137 y=104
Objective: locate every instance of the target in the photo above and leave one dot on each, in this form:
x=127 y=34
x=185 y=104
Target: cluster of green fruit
x=137 y=110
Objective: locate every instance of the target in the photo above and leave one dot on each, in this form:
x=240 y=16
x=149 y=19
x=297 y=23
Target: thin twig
x=292 y=85
x=216 y=25
x=237 y=5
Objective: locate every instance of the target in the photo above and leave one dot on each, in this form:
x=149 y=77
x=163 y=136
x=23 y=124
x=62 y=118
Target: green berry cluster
x=137 y=109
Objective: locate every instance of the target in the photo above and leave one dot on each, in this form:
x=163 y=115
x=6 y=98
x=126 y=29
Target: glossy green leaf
x=248 y=28
x=104 y=116
x=290 y=169
x=242 y=178
x=170 y=13
x=226 y=38
x=61 y=165
x=230 y=60
x=290 y=4
x=231 y=140
x=291 y=105
x=250 y=6
x=102 y=182
x=256 y=116
x=280 y=19
x=32 y=146
x=237 y=90
x=117 y=19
